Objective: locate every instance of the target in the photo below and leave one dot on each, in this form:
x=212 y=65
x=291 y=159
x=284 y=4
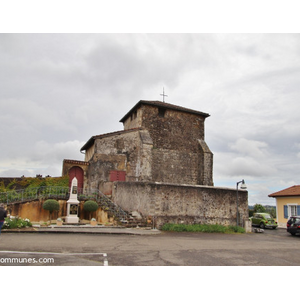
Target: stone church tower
x=160 y=142
x=159 y=166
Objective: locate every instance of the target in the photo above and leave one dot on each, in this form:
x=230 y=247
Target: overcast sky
x=58 y=90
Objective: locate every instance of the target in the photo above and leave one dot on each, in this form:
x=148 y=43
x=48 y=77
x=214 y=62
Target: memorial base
x=71 y=219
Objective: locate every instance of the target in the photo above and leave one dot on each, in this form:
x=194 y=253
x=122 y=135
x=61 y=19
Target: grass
x=211 y=228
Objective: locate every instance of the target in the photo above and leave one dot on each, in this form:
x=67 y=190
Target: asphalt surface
x=139 y=247
x=85 y=229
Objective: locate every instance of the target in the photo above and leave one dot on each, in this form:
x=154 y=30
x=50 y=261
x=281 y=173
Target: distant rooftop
x=291 y=191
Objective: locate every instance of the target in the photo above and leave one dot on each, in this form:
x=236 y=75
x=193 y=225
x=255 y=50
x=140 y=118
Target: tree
x=51 y=205
x=259 y=208
x=90 y=206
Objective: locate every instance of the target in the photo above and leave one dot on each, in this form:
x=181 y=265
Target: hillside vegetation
x=23 y=183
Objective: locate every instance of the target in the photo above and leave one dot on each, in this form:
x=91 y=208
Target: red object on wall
x=78 y=173
x=117 y=175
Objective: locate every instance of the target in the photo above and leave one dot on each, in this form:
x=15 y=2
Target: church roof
x=163 y=105
x=90 y=142
x=291 y=191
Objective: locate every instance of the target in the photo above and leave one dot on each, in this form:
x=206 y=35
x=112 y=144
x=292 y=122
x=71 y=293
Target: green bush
x=90 y=206
x=202 y=228
x=11 y=223
x=51 y=205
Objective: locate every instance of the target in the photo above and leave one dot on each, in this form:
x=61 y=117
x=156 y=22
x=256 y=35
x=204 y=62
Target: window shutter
x=298 y=210
x=115 y=175
x=285 y=209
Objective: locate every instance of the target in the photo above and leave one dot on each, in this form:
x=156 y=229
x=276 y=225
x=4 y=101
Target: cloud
x=45 y=152
x=251 y=148
x=57 y=90
x=41 y=158
x=231 y=165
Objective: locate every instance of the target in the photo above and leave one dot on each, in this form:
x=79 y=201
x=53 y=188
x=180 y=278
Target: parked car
x=263 y=220
x=293 y=225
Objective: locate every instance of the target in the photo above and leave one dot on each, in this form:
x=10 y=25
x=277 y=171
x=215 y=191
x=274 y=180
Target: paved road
x=271 y=248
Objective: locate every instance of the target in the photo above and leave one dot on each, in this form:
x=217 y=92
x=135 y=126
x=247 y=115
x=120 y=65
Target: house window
x=161 y=112
x=291 y=210
x=134 y=115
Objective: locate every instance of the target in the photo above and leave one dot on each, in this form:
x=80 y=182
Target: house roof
x=291 y=191
x=90 y=142
x=163 y=105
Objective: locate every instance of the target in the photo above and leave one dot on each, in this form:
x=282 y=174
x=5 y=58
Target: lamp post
x=243 y=186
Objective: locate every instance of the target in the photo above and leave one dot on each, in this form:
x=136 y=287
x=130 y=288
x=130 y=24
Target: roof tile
x=291 y=191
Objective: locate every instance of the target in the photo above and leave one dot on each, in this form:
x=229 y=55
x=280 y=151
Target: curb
x=84 y=230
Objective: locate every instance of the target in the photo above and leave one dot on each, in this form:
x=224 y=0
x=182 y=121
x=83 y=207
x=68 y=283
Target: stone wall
x=205 y=165
x=126 y=151
x=176 y=130
x=170 y=203
x=178 y=156
x=33 y=210
x=173 y=166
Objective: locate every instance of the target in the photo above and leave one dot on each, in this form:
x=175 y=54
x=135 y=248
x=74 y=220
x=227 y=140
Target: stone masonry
x=169 y=203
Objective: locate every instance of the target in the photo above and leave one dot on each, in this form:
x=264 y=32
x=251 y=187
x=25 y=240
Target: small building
x=287 y=204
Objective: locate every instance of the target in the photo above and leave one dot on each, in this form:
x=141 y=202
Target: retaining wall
x=189 y=204
x=33 y=210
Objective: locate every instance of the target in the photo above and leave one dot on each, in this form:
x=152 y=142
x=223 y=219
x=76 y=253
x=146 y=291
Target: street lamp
x=243 y=186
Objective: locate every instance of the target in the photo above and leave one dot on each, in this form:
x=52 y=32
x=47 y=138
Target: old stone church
x=158 y=165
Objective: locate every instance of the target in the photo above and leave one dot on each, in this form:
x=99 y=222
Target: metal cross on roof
x=163 y=94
